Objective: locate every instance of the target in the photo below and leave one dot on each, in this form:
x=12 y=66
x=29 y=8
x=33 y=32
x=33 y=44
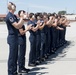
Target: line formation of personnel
x=47 y=34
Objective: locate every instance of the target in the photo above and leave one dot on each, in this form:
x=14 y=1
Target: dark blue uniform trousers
x=43 y=41
x=22 y=51
x=32 y=54
x=53 y=38
x=47 y=45
x=38 y=44
x=61 y=35
x=13 y=54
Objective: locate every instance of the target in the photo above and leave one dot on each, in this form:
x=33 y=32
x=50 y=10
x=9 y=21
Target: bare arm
x=42 y=26
x=55 y=23
x=64 y=21
x=67 y=24
x=35 y=28
x=22 y=32
x=19 y=24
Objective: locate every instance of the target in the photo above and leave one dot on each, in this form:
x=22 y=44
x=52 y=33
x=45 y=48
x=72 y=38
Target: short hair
x=20 y=12
x=30 y=15
x=9 y=6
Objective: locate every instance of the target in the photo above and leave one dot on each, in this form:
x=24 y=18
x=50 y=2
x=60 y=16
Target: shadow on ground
x=60 y=54
x=34 y=71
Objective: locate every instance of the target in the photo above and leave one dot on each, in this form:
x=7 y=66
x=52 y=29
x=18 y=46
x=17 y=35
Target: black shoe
x=46 y=57
x=27 y=69
x=16 y=73
x=37 y=62
x=48 y=54
x=65 y=42
x=32 y=65
x=42 y=59
x=24 y=70
x=53 y=52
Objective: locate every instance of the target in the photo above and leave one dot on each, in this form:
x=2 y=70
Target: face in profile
x=11 y=6
x=22 y=13
x=38 y=18
x=33 y=17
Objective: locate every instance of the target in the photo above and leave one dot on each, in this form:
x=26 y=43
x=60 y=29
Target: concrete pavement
x=61 y=63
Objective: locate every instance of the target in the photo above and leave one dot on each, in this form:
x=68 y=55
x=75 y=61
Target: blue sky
x=40 y=5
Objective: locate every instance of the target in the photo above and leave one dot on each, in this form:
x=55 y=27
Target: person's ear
x=13 y=7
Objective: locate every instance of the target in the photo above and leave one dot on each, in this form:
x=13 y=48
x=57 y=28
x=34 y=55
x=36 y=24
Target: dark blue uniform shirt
x=21 y=38
x=38 y=31
x=12 y=31
x=10 y=19
x=33 y=24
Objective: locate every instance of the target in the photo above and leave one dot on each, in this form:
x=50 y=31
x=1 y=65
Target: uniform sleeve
x=12 y=19
x=29 y=23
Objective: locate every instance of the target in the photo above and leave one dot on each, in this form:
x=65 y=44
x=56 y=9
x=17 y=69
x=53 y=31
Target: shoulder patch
x=11 y=19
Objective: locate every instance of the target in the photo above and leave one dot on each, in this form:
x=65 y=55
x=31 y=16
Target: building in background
x=2 y=17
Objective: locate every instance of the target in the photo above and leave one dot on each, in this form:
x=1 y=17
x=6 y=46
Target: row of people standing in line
x=43 y=38
x=46 y=36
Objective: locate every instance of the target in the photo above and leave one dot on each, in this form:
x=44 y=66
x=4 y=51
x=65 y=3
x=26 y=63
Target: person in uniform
x=43 y=41
x=32 y=39
x=38 y=37
x=13 y=25
x=22 y=47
